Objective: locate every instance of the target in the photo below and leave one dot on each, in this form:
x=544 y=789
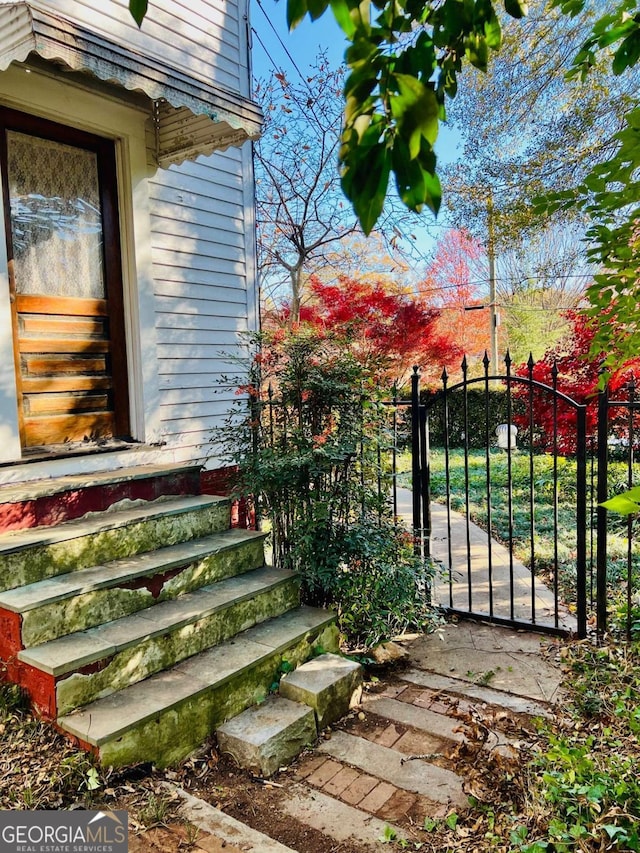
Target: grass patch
x=553 y=518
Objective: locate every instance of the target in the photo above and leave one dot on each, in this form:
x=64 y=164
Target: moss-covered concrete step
x=56 y=499
x=69 y=672
x=79 y=600
x=167 y=716
x=27 y=556
x=268 y=736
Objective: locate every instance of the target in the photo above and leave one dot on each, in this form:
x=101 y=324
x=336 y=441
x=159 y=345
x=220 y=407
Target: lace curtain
x=56 y=221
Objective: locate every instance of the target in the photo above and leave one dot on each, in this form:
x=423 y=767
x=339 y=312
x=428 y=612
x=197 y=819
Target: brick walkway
x=396 y=759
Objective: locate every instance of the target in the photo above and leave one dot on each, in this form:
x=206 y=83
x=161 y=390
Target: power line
x=426 y=291
x=264 y=47
x=478 y=282
x=283 y=45
x=536 y=309
x=286 y=50
x=504 y=306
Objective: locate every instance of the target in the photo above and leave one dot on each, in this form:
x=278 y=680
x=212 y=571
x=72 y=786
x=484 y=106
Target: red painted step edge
x=10 y=634
x=74 y=503
x=39 y=686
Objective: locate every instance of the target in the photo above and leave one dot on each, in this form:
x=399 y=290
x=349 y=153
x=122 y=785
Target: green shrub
x=382 y=594
x=312 y=449
x=479 y=401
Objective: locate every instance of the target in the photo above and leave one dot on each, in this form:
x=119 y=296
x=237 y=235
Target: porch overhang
x=190 y=117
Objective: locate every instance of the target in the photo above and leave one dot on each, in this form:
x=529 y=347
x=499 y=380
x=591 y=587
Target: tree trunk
x=296 y=287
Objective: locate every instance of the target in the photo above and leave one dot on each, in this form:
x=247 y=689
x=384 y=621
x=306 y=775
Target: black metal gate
x=506 y=487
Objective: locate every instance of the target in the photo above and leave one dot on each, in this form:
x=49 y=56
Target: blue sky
x=303 y=44
x=274 y=45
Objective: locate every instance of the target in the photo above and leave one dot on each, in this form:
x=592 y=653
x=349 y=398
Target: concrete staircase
x=135 y=617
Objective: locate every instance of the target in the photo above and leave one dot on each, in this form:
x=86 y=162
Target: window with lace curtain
x=56 y=220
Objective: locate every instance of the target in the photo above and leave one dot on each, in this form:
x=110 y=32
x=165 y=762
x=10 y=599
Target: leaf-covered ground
x=574 y=786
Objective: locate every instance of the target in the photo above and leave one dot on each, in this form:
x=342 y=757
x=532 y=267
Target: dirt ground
x=235 y=792
x=41 y=770
x=257 y=802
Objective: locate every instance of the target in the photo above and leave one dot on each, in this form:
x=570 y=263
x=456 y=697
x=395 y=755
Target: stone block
x=268 y=736
x=329 y=684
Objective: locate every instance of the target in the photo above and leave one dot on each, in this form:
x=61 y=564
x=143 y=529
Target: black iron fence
x=535 y=483
x=335 y=461
x=619 y=568
x=507 y=499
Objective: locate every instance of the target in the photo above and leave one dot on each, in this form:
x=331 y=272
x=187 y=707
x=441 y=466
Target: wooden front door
x=61 y=220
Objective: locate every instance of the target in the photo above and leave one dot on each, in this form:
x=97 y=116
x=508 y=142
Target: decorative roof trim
x=191 y=117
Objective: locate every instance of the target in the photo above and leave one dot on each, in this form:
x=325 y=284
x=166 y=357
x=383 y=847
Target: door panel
x=62 y=229
x=64 y=368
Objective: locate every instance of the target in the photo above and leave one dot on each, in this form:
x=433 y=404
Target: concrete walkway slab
x=338 y=820
x=440 y=785
x=490 y=589
x=513 y=665
x=438 y=725
x=480 y=576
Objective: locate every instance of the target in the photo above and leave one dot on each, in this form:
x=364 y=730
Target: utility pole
x=493 y=313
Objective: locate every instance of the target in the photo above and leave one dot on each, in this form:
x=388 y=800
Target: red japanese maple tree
x=577 y=375
x=387 y=328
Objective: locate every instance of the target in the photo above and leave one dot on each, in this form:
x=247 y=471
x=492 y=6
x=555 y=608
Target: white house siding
x=201 y=236
x=205 y=37
x=201 y=218
x=201 y=222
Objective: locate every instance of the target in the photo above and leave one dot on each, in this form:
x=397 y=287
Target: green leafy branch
x=622 y=24
x=626 y=503
x=404 y=57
